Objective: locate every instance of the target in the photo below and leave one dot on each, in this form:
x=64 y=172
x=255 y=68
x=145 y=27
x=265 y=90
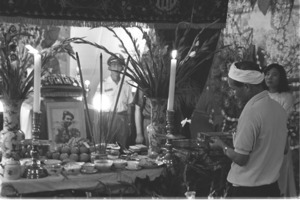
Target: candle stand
x=169 y=158
x=35 y=170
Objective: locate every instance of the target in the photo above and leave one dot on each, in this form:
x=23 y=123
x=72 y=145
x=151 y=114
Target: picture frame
x=65 y=120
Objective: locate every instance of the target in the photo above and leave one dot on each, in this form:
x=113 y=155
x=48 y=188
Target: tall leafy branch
x=15 y=60
x=150 y=70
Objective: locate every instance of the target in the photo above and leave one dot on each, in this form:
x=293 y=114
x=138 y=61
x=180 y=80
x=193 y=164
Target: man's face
x=115 y=66
x=115 y=75
x=68 y=120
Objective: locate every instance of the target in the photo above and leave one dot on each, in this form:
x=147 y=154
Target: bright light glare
x=133 y=89
x=106 y=104
x=1 y=106
x=31 y=49
x=174 y=54
x=87 y=83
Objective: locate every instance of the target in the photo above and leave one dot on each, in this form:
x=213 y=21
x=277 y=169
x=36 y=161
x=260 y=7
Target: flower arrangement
x=16 y=82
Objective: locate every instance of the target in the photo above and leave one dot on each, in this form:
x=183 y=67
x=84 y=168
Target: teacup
x=132 y=164
x=119 y=163
x=190 y=194
x=103 y=165
x=88 y=167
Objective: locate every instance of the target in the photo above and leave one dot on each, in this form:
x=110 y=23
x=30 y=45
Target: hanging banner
x=96 y=12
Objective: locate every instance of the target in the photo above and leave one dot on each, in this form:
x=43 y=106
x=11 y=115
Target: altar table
x=88 y=182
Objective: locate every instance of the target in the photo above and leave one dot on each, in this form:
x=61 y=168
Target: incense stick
x=101 y=100
x=85 y=100
x=119 y=92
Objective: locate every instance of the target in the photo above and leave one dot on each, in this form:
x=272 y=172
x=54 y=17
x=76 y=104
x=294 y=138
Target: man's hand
x=216 y=142
x=238 y=158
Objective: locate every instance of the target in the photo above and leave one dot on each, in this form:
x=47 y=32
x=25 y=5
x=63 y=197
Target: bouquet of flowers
x=16 y=80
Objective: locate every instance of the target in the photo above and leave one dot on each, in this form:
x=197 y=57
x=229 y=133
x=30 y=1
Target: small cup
x=103 y=165
x=132 y=164
x=88 y=167
x=190 y=194
x=119 y=163
x=72 y=168
x=53 y=170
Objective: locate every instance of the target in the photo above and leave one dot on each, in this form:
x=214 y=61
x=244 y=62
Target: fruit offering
x=76 y=150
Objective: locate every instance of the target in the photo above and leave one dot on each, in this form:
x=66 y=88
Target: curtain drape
x=92 y=13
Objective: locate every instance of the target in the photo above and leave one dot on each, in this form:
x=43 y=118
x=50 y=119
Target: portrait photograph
x=65 y=120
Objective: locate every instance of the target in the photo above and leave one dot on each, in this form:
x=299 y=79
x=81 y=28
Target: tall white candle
x=36 y=77
x=172 y=81
x=37 y=82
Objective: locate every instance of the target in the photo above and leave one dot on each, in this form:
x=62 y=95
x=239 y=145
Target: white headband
x=245 y=76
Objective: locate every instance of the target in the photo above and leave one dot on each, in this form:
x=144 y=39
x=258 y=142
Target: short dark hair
x=66 y=112
x=247 y=65
x=116 y=58
x=283 y=85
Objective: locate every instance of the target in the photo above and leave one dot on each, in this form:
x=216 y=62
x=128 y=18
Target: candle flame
x=174 y=54
x=87 y=83
x=31 y=49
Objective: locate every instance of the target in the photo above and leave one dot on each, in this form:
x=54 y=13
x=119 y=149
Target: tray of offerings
x=206 y=136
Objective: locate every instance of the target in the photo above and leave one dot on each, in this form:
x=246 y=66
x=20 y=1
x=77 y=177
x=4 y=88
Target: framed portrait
x=65 y=120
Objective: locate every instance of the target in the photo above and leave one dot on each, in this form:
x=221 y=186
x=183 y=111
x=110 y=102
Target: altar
x=54 y=62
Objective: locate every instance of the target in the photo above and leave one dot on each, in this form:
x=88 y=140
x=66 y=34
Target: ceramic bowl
x=120 y=163
x=72 y=168
x=53 y=170
x=103 y=165
x=88 y=167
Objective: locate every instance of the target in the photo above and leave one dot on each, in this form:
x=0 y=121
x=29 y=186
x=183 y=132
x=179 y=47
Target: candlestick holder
x=169 y=158
x=35 y=170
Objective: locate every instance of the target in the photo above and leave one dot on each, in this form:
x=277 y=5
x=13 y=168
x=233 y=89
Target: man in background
x=120 y=128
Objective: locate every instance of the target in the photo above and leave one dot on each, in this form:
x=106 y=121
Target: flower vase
x=157 y=126
x=11 y=135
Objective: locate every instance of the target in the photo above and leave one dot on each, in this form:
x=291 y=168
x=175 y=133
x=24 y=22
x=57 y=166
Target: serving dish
x=53 y=170
x=52 y=162
x=72 y=168
x=119 y=163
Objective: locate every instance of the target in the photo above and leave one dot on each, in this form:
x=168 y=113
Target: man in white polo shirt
x=259 y=141
x=120 y=130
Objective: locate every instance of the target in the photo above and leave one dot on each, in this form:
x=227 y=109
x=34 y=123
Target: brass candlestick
x=168 y=158
x=35 y=171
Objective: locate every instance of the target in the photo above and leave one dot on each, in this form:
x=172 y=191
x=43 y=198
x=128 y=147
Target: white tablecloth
x=80 y=181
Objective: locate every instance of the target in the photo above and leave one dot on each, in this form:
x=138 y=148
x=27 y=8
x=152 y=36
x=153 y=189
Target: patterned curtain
x=93 y=13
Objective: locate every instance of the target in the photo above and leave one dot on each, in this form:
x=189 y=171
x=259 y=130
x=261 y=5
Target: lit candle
x=37 y=82
x=172 y=81
x=37 y=78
